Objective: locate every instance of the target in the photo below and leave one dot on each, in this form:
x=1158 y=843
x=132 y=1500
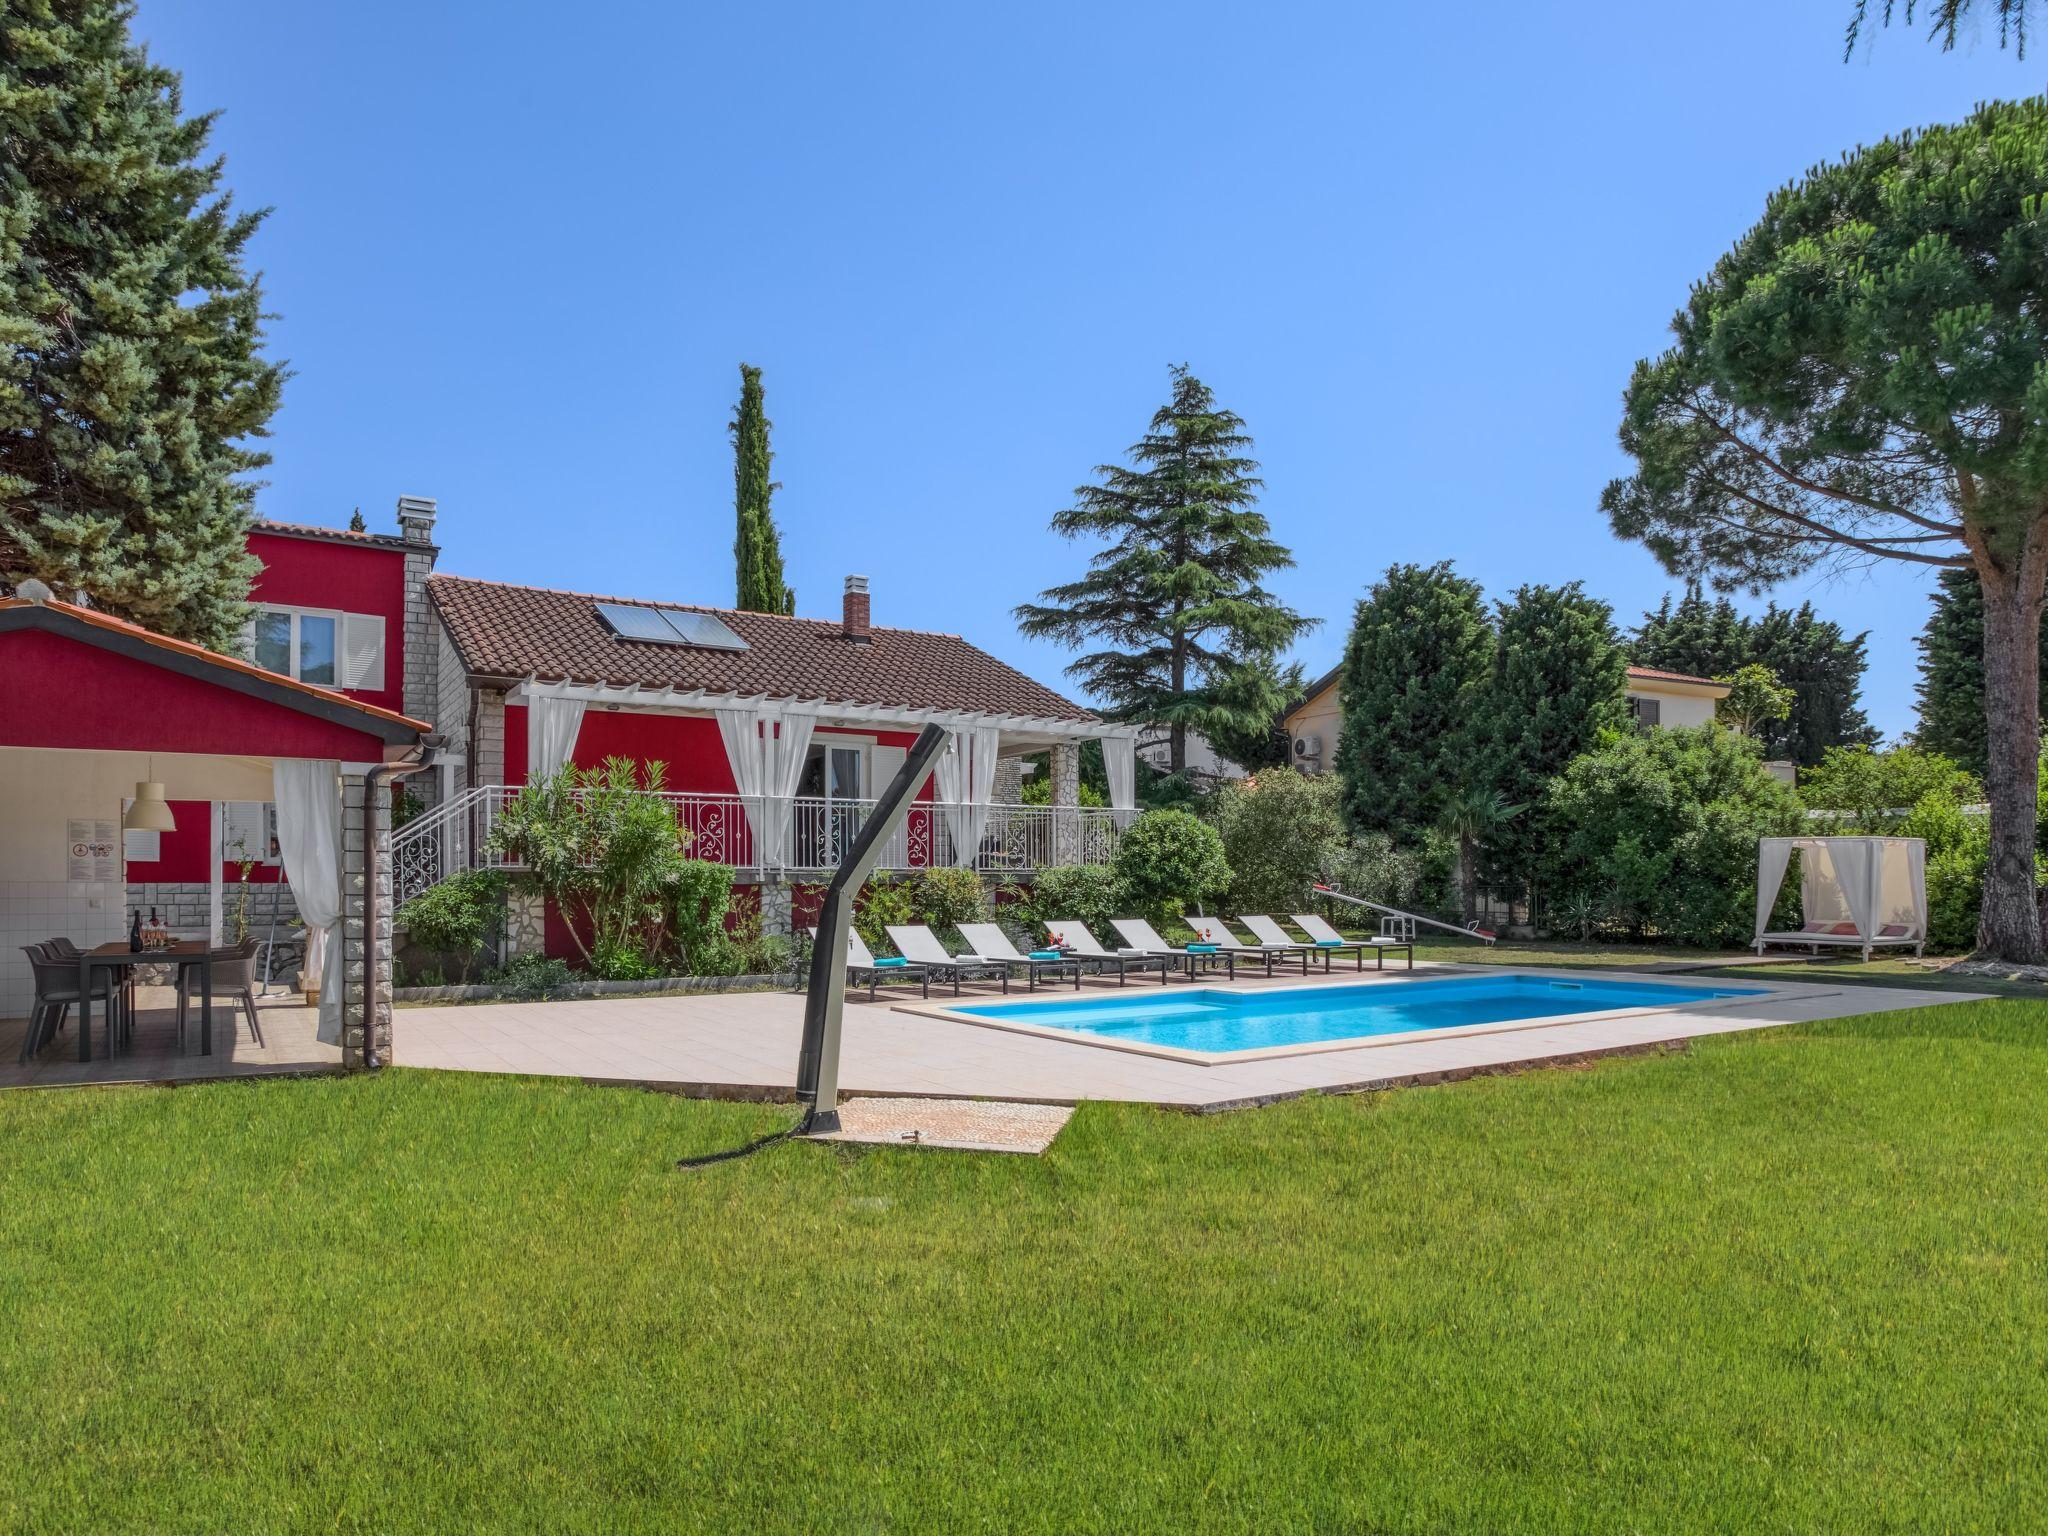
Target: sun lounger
x=1268 y=932
x=1213 y=930
x=1143 y=940
x=1379 y=944
x=1843 y=936
x=920 y=946
x=1080 y=943
x=993 y=945
x=860 y=964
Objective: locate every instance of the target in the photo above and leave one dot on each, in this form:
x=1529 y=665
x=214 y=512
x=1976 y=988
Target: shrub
x=1281 y=831
x=1958 y=848
x=623 y=960
x=1864 y=782
x=603 y=846
x=1662 y=827
x=456 y=917
x=883 y=901
x=700 y=902
x=946 y=897
x=1167 y=860
x=1081 y=893
x=534 y=977
x=1416 y=879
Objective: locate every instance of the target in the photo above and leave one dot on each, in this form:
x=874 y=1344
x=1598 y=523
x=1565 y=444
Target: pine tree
x=756 y=549
x=1191 y=635
x=356 y=523
x=1413 y=699
x=1559 y=681
x=1951 y=686
x=132 y=374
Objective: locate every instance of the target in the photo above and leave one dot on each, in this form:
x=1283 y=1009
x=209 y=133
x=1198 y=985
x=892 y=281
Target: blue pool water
x=1199 y=1019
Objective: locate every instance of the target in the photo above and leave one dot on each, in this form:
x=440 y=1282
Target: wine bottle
x=135 y=932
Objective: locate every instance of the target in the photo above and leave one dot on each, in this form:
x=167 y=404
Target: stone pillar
x=778 y=909
x=1066 y=801
x=526 y=924
x=420 y=660
x=365 y=957
x=1009 y=787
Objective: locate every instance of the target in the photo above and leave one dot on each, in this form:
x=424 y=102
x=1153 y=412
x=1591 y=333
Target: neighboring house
x=1672 y=698
x=1155 y=746
x=774 y=734
x=1654 y=698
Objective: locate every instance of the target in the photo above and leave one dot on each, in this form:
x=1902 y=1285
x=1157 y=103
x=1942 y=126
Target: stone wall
x=187 y=907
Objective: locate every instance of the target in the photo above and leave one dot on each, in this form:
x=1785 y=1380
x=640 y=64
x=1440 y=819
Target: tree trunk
x=1177 y=735
x=2009 y=925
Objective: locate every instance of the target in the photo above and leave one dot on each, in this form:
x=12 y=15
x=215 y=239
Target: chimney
x=416 y=518
x=855 y=623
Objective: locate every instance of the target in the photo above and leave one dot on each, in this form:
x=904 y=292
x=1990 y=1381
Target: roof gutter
x=374 y=783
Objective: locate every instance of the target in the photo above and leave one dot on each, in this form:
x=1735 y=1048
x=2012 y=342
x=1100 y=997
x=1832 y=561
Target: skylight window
x=669 y=626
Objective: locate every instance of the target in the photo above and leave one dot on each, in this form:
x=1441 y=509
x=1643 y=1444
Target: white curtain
x=966 y=779
x=1856 y=867
x=766 y=747
x=1773 y=855
x=1120 y=760
x=308 y=797
x=551 y=727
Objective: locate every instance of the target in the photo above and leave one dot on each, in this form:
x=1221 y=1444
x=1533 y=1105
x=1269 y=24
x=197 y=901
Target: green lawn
x=1789 y=1282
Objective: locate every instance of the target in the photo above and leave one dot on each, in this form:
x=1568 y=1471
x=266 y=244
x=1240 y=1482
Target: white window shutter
x=244 y=831
x=362 y=651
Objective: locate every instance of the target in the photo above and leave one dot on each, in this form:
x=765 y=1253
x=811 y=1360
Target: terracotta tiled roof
x=1652 y=675
x=338 y=535
x=507 y=631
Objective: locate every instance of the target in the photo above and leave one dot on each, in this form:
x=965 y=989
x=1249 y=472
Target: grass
x=1786 y=1282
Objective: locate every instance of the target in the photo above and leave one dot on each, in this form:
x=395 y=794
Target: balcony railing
x=797 y=837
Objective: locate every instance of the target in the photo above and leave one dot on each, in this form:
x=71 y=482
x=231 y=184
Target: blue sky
x=519 y=251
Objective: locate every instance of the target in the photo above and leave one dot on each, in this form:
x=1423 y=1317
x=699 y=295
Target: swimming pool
x=1213 y=1022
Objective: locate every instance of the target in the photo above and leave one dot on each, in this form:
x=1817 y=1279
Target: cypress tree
x=132 y=373
x=756 y=550
x=1192 y=636
x=1559 y=681
x=1413 y=697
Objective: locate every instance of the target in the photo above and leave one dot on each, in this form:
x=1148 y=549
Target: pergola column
x=1066 y=803
x=365 y=957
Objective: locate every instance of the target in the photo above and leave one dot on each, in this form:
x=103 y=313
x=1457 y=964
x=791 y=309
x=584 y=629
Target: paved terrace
x=745 y=1045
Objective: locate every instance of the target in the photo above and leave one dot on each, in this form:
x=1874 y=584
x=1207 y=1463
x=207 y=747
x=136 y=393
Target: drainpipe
x=375 y=782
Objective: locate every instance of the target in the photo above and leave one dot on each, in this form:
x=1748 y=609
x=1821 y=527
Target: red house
x=772 y=733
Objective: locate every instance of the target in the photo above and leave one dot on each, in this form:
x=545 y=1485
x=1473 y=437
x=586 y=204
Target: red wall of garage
x=61 y=692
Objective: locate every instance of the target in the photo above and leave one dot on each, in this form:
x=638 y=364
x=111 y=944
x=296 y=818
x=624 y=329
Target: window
x=1644 y=711
x=248 y=830
x=319 y=645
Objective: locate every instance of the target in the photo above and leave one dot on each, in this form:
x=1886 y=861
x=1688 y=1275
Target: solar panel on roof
x=702 y=629
x=669 y=626
x=637 y=623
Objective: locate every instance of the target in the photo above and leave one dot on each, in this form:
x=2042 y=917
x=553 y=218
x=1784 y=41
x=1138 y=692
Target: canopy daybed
x=1855 y=892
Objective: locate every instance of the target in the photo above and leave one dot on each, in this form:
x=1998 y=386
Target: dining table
x=119 y=957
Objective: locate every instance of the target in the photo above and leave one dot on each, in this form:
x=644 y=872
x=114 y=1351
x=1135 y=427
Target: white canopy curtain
x=551 y=727
x=308 y=796
x=966 y=778
x=1120 y=761
x=765 y=745
x=1856 y=891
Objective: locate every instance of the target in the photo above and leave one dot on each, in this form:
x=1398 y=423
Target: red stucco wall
x=59 y=692
x=316 y=573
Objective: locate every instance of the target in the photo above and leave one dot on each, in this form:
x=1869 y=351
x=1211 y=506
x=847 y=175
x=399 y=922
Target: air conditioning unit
x=1310 y=745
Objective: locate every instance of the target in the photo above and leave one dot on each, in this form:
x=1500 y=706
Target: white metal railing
x=796 y=836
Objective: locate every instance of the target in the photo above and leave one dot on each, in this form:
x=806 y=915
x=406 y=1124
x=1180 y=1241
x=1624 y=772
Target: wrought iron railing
x=777 y=837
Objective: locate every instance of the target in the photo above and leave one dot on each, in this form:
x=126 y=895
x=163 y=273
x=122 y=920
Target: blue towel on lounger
x=890 y=962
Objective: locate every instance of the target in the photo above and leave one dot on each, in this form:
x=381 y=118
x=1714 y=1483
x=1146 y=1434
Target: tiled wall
x=34 y=910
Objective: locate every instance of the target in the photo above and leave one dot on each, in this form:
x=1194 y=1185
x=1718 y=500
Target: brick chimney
x=854 y=624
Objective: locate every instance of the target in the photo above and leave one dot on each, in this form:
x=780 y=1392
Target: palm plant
x=1473 y=816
